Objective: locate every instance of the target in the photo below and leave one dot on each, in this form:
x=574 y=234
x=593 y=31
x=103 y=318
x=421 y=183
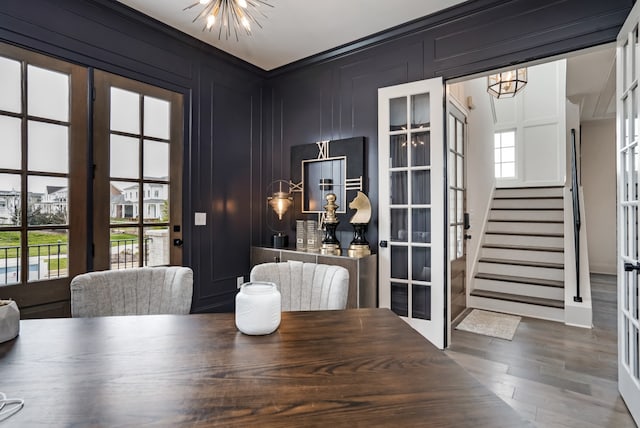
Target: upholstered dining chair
x=138 y=291
x=306 y=286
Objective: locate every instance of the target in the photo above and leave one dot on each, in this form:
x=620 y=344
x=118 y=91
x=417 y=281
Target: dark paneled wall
x=239 y=127
x=222 y=117
x=334 y=95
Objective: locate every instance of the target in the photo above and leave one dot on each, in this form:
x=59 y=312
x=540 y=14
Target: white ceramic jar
x=9 y=320
x=258 y=308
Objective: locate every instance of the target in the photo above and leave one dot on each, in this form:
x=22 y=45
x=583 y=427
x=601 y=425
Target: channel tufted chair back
x=306 y=286
x=139 y=291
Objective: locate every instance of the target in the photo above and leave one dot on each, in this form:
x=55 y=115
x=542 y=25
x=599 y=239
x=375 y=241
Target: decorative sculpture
x=330 y=243
x=359 y=246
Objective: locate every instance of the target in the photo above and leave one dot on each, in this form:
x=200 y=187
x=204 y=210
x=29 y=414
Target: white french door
x=628 y=167
x=412 y=203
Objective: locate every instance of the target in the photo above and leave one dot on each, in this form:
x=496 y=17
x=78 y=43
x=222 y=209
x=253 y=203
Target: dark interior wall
x=334 y=95
x=222 y=119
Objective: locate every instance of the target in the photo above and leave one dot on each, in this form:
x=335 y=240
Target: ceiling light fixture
x=508 y=83
x=233 y=15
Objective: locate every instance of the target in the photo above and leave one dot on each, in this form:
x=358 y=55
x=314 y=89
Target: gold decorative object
x=359 y=246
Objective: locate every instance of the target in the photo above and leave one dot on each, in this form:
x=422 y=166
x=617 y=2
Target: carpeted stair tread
x=521 y=280
x=538 y=301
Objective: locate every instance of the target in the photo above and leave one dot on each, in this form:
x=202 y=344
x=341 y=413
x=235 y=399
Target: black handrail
x=575 y=191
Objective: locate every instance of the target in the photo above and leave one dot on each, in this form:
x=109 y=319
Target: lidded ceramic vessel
x=258 y=308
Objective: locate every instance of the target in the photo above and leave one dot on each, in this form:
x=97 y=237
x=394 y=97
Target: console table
x=363 y=283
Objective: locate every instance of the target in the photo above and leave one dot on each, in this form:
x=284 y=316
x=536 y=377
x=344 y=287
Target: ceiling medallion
x=230 y=16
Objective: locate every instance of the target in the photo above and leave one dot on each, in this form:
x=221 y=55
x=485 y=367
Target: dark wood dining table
x=360 y=367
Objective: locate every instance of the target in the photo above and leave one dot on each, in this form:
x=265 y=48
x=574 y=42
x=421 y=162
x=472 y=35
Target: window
x=505 y=154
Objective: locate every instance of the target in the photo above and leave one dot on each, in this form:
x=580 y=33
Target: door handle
x=466 y=236
x=384 y=244
x=628 y=267
x=178 y=242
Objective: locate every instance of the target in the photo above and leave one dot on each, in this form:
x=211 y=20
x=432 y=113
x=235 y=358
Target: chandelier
x=231 y=16
x=508 y=83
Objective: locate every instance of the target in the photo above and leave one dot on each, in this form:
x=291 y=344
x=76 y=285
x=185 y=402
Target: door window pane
x=47 y=94
x=399 y=224
x=125 y=111
x=452 y=133
x=420 y=116
x=48 y=201
x=421 y=192
x=421 y=224
x=399 y=299
x=460 y=137
x=125 y=247
x=10 y=199
x=48 y=254
x=399 y=262
x=124 y=201
x=421 y=149
x=156 y=202
x=398 y=150
x=10 y=133
x=124 y=157
x=399 y=188
x=48 y=147
x=156 y=118
x=398 y=114
x=9 y=258
x=10 y=85
x=421 y=261
x=421 y=302
x=156 y=160
x=157 y=246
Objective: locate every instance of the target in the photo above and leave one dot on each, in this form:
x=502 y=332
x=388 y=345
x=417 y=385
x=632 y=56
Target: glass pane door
x=411 y=206
x=138 y=146
x=628 y=92
x=42 y=179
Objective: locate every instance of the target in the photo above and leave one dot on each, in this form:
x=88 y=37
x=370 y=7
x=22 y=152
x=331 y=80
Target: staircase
x=521 y=265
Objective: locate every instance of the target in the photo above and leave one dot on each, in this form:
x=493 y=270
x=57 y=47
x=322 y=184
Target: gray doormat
x=493 y=324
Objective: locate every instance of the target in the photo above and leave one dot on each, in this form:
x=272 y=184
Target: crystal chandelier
x=508 y=83
x=233 y=16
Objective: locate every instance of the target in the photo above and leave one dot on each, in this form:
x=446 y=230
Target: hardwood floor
x=554 y=375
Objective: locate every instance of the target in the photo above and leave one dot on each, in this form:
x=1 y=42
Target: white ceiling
x=591 y=82
x=295 y=29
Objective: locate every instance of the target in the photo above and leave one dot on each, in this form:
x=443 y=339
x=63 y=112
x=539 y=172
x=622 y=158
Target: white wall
x=537 y=114
x=480 y=169
x=599 y=185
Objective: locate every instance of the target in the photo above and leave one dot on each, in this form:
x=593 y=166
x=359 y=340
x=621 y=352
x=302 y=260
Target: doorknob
x=628 y=267
x=383 y=244
x=467 y=236
x=178 y=242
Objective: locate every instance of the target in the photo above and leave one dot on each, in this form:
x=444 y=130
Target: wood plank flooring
x=554 y=375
